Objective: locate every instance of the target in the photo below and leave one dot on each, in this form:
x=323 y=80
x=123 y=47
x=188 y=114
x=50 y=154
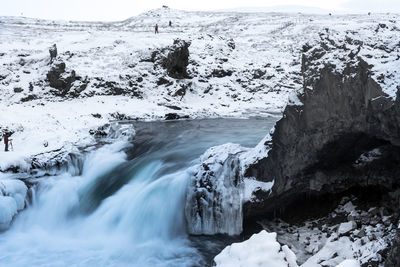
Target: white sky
x=107 y=10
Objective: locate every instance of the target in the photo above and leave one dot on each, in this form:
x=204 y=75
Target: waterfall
x=122 y=204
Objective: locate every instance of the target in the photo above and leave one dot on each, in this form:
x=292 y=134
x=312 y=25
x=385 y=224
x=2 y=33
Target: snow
x=260 y=249
x=349 y=263
x=265 y=65
x=252 y=185
x=266 y=75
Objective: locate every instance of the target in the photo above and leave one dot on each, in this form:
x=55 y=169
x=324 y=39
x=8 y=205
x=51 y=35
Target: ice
x=12 y=199
x=215 y=192
x=8 y=208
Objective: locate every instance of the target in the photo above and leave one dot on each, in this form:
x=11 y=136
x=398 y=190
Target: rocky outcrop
x=53 y=52
x=59 y=78
x=174 y=59
x=316 y=143
x=177 y=59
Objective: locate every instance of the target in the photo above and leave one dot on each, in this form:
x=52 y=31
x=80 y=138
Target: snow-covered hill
x=240 y=64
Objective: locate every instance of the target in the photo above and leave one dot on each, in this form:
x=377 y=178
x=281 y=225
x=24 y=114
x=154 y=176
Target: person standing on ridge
x=170 y=23
x=156 y=29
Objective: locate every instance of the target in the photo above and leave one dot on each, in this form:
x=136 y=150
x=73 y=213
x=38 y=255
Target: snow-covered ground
x=241 y=64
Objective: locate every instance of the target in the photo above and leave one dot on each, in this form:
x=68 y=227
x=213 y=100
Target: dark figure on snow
x=170 y=23
x=156 y=29
x=5 y=139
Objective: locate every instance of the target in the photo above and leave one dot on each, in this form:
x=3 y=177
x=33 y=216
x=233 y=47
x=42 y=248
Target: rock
x=60 y=79
x=162 y=81
x=175 y=116
x=393 y=259
x=231 y=44
x=257 y=74
x=173 y=107
x=18 y=89
x=53 y=52
x=97 y=115
x=220 y=73
x=316 y=142
x=346 y=227
x=177 y=59
x=361 y=233
x=28 y=98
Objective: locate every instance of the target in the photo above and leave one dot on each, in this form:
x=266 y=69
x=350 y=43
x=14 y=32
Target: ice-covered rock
x=12 y=199
x=346 y=227
x=214 y=196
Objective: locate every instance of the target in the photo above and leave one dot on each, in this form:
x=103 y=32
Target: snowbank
x=260 y=249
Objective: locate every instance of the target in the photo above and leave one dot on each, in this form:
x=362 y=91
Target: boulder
x=346 y=227
x=59 y=78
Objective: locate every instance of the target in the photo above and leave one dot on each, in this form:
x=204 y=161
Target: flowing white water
x=127 y=207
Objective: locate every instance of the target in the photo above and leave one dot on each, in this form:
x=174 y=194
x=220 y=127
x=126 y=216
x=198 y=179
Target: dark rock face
x=174 y=59
x=60 y=79
x=341 y=118
x=177 y=60
x=344 y=135
x=393 y=259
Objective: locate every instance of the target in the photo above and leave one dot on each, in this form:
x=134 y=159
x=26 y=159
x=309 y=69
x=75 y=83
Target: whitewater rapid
x=126 y=208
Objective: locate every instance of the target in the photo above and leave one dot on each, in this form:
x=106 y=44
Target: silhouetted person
x=156 y=29
x=170 y=23
x=5 y=139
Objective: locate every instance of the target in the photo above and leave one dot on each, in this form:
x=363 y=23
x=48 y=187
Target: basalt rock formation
x=341 y=137
x=317 y=147
x=174 y=59
x=59 y=78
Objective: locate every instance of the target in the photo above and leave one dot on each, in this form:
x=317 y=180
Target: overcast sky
x=107 y=10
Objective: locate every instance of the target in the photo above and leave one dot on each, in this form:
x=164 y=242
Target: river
x=127 y=206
